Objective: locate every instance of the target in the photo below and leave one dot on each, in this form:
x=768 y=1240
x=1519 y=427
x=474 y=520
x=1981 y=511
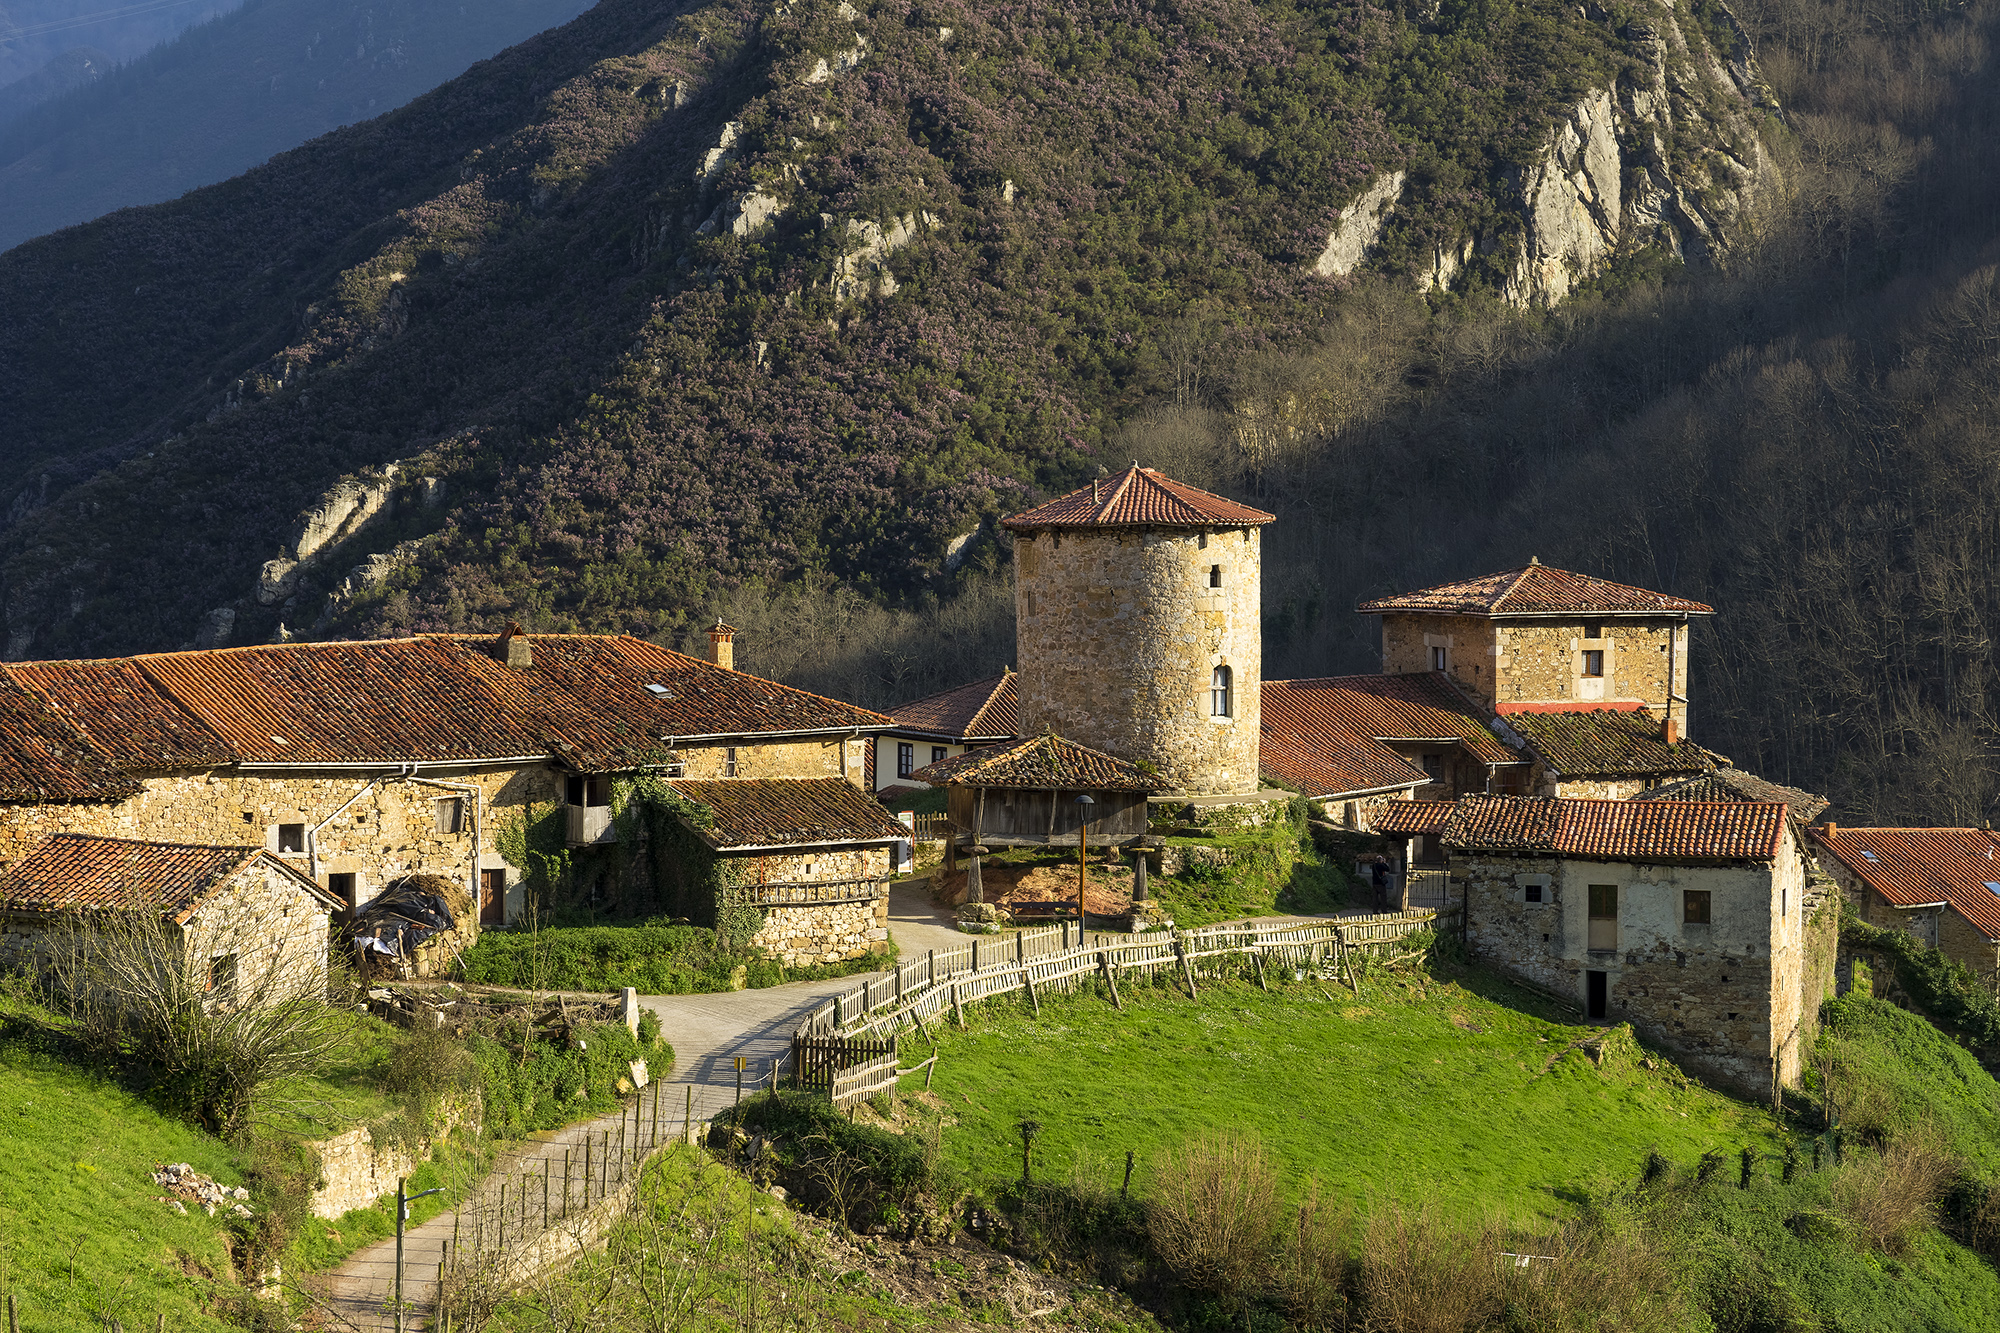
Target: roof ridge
x=1518 y=580
x=1130 y=475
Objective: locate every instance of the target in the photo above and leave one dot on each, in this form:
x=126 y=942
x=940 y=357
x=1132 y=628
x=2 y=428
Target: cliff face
x=666 y=300
x=1669 y=156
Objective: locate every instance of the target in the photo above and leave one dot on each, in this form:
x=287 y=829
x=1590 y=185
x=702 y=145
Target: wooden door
x=1604 y=916
x=492 y=897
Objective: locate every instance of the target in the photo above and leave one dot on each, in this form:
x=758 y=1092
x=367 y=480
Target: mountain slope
x=657 y=303
x=226 y=95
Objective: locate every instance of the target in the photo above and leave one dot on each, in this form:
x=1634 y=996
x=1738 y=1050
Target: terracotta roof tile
x=1407 y=818
x=44 y=758
x=1918 y=866
x=1325 y=736
x=129 y=719
x=1536 y=590
x=1138 y=497
x=1608 y=742
x=1733 y=784
x=987 y=709
x=1040 y=763
x=71 y=872
x=789 y=812
x=1617 y=830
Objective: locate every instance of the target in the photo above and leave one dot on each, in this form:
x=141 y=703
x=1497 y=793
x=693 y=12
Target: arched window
x=1219 y=690
x=1215 y=576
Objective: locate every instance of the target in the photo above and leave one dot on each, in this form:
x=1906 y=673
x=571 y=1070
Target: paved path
x=707 y=1032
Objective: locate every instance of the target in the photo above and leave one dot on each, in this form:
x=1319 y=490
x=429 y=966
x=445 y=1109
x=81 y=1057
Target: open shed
x=1043 y=791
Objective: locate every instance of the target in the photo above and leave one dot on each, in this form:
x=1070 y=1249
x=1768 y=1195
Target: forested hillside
x=227 y=94
x=773 y=312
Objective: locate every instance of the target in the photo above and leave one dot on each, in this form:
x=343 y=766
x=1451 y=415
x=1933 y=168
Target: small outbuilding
x=249 y=921
x=1043 y=792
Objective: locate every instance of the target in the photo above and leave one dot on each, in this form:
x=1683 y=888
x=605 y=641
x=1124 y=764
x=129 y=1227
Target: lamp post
x=1084 y=801
x=403 y=1202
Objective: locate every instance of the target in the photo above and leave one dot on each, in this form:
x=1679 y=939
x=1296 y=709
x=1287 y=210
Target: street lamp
x=403 y=1202
x=1084 y=801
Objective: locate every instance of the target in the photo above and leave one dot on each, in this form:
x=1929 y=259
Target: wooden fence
x=932 y=828
x=804 y=893
x=925 y=986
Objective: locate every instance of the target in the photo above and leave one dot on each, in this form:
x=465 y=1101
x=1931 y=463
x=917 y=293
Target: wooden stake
x=957 y=1009
x=1110 y=979
x=1187 y=968
x=1029 y=981
x=1265 y=986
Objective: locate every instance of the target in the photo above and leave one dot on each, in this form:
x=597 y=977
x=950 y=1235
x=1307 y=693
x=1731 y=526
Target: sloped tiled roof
x=1419 y=707
x=1138 y=497
x=1609 y=742
x=1733 y=784
x=1332 y=763
x=71 y=872
x=1407 y=818
x=1042 y=763
x=1914 y=867
x=44 y=758
x=1536 y=590
x=987 y=709
x=1617 y=830
x=129 y=720
x=780 y=812
x=594 y=702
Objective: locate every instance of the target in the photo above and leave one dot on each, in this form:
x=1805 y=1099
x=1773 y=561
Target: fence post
x=957 y=1009
x=1104 y=962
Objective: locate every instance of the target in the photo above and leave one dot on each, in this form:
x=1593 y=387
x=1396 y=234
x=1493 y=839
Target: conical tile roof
x=1138 y=497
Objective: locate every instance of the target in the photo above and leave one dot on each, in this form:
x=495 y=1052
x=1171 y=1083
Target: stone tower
x=1136 y=607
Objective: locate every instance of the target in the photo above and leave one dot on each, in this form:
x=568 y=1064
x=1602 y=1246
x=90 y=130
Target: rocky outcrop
x=864 y=269
x=1668 y=156
x=1357 y=227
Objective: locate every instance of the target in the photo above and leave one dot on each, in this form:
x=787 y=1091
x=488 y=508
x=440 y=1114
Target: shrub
x=854 y=1173
x=1214 y=1212
x=1421 y=1274
x=1890 y=1195
x=1312 y=1262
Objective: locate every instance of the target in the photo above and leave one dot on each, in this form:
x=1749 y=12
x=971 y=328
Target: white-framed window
x=1593 y=661
x=1221 y=688
x=906 y=759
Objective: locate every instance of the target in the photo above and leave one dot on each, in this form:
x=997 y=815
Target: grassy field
x=1472 y=1095
x=82 y=1238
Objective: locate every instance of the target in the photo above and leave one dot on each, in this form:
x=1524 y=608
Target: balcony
x=591 y=826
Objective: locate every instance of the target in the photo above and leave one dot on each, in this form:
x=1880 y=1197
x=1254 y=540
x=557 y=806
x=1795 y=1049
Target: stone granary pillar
x=1138 y=876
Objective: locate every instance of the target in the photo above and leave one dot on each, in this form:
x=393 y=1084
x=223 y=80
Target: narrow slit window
x=1215 y=576
x=1220 y=688
x=1437 y=659
x=729 y=762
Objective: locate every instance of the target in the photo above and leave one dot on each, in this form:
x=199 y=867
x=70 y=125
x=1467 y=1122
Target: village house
x=1686 y=919
x=244 y=924
x=1587 y=677
x=1940 y=885
x=943 y=726
x=358 y=764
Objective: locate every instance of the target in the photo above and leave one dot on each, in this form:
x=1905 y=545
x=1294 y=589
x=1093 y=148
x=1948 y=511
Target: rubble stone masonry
x=1541 y=661
x=1727 y=997
x=815 y=933
x=1120 y=632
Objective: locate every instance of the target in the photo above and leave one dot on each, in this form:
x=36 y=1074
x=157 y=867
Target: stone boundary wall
x=817 y=933
x=355 y=1171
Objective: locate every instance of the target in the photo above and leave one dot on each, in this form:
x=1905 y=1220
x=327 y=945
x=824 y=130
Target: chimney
x=721 y=645
x=1831 y=829
x=514 y=649
x=1670 y=732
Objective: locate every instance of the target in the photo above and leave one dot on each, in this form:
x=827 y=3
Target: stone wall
x=809 y=935
x=355 y=1171
x=1725 y=997
x=1599 y=789
x=1119 y=635
x=1503 y=664
x=789 y=759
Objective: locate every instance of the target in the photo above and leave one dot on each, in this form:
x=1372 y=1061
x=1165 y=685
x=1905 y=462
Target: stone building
x=1941 y=885
x=1139 y=630
x=813 y=857
x=1687 y=919
x=1541 y=639
x=245 y=924
x=357 y=764
x=945 y=725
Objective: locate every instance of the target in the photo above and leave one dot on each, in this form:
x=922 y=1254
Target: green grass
x=1452 y=1094
x=1893 y=1071
x=1273 y=871
x=81 y=1238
